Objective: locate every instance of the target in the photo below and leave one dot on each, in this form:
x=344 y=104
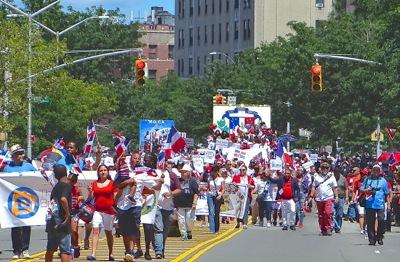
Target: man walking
x=343 y=194
x=376 y=191
x=325 y=192
x=59 y=226
x=20 y=236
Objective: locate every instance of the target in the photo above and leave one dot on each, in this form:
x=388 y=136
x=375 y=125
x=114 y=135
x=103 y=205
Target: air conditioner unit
x=319 y=5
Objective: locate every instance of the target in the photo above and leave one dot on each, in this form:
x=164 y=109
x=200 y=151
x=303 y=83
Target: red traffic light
x=316 y=69
x=140 y=64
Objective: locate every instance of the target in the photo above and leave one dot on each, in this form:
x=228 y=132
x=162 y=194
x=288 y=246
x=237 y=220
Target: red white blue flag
x=90 y=136
x=175 y=140
x=121 y=143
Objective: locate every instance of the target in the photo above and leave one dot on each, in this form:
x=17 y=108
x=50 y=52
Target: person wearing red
x=103 y=192
x=244 y=179
x=288 y=191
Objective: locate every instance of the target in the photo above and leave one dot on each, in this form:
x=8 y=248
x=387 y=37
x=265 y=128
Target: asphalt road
x=261 y=244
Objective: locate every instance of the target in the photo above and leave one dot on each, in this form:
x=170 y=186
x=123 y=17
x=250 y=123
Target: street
x=259 y=244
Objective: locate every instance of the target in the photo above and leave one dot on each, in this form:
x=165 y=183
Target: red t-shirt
x=104 y=197
x=75 y=193
x=287 y=190
x=236 y=179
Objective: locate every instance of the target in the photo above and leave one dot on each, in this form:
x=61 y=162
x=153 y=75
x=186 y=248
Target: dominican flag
x=121 y=143
x=391 y=132
x=59 y=143
x=90 y=136
x=283 y=154
x=161 y=160
x=175 y=140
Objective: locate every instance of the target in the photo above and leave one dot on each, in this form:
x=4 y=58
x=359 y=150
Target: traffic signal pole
x=343 y=57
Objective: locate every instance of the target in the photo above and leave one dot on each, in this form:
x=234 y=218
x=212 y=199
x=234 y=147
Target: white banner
x=202 y=206
x=25 y=196
x=238 y=198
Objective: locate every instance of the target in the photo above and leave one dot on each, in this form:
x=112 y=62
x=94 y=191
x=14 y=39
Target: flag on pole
x=391 y=132
x=161 y=160
x=121 y=143
x=90 y=136
x=283 y=154
x=175 y=141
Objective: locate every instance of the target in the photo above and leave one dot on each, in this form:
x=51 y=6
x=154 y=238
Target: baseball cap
x=16 y=149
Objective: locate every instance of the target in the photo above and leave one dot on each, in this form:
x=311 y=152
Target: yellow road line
x=188 y=252
x=200 y=253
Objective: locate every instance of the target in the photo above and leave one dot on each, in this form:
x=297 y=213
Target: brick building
x=158 y=35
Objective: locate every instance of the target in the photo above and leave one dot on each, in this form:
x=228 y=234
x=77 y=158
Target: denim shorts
x=129 y=221
x=57 y=239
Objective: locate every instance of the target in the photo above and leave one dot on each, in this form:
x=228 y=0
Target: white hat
x=377 y=166
x=16 y=148
x=186 y=167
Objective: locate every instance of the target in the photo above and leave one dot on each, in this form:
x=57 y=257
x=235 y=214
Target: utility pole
x=288 y=104
x=378 y=142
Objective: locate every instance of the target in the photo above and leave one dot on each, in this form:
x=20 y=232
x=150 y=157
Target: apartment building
x=226 y=27
x=158 y=39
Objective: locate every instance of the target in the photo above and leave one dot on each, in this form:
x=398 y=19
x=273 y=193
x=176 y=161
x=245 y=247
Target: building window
x=227 y=32
x=236 y=30
x=198 y=7
x=183 y=66
x=236 y=4
x=246 y=4
x=179 y=67
x=205 y=60
x=198 y=35
x=183 y=38
x=183 y=8
x=212 y=34
x=190 y=66
x=319 y=3
x=220 y=6
x=212 y=6
x=198 y=65
x=219 y=33
x=205 y=34
x=152 y=74
x=191 y=8
x=205 y=7
x=219 y=57
x=152 y=51
x=170 y=52
x=227 y=6
x=245 y=28
x=248 y=29
x=190 y=36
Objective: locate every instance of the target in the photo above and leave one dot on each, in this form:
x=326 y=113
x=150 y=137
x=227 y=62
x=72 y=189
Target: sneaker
x=189 y=235
x=380 y=242
x=280 y=223
x=337 y=231
x=138 y=254
x=129 y=257
x=237 y=225
x=244 y=226
x=371 y=243
x=77 y=251
x=274 y=223
x=86 y=244
x=159 y=256
x=293 y=228
x=16 y=256
x=300 y=225
x=268 y=224
x=91 y=258
x=147 y=256
x=25 y=254
x=284 y=228
x=111 y=258
x=363 y=232
x=184 y=237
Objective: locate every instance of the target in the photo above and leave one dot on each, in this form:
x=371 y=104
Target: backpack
x=53 y=219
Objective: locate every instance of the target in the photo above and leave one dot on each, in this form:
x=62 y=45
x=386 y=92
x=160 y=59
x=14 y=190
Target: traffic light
x=139 y=71
x=316 y=78
x=219 y=99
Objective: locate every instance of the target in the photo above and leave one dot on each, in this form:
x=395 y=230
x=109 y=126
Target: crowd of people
x=275 y=197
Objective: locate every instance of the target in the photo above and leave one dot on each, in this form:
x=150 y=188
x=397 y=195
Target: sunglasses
x=324 y=167
x=242 y=169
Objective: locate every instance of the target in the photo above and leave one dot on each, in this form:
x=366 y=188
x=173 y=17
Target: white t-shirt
x=227 y=180
x=324 y=190
x=164 y=202
x=215 y=185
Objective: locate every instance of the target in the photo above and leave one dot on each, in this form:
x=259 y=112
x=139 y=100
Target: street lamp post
x=221 y=53
x=288 y=104
x=57 y=34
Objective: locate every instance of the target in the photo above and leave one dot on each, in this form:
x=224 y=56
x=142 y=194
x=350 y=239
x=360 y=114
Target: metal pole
x=378 y=142
x=288 y=131
x=29 y=138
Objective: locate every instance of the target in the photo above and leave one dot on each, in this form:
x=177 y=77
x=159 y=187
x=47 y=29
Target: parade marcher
x=261 y=190
x=227 y=180
x=186 y=202
x=76 y=199
x=288 y=191
x=215 y=199
x=244 y=180
x=168 y=190
x=352 y=179
x=376 y=192
x=58 y=228
x=20 y=236
x=103 y=192
x=358 y=199
x=325 y=192
x=343 y=194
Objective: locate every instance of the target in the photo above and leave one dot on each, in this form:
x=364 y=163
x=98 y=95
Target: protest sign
x=314 y=158
x=198 y=164
x=275 y=164
x=221 y=143
x=154 y=132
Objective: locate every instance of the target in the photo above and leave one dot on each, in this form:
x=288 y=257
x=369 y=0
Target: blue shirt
x=23 y=167
x=377 y=200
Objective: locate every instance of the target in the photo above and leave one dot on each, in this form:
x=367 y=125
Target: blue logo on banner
x=23 y=202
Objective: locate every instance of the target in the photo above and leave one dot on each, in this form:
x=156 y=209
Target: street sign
x=374 y=136
x=231 y=100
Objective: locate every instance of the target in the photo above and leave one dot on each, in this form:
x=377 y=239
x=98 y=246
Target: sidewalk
x=174 y=247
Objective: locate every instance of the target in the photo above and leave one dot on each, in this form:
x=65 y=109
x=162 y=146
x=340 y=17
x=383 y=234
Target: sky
x=127 y=7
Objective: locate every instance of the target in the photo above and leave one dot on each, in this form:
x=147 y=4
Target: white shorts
x=101 y=219
x=361 y=210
